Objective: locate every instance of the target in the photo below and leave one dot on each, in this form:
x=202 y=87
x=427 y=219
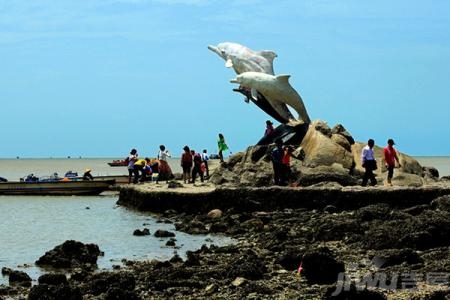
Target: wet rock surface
x=70 y=254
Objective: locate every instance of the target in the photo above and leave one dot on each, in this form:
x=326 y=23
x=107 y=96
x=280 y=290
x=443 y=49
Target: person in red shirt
x=286 y=161
x=186 y=164
x=390 y=156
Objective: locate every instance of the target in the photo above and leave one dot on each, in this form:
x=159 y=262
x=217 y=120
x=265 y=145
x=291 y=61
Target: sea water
x=441 y=163
x=33 y=225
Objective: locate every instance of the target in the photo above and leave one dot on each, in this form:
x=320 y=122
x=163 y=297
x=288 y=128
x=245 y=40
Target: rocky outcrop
x=19 y=278
x=326 y=156
x=250 y=199
x=71 y=254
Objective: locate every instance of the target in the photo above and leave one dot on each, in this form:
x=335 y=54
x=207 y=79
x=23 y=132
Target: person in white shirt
x=369 y=163
x=132 y=158
x=164 y=170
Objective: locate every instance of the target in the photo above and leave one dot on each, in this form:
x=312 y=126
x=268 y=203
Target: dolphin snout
x=234 y=80
x=213 y=49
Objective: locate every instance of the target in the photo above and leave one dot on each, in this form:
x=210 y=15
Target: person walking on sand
x=369 y=163
x=186 y=164
x=132 y=158
x=390 y=156
x=222 y=145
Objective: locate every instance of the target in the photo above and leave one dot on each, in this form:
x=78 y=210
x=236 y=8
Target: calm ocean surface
x=32 y=225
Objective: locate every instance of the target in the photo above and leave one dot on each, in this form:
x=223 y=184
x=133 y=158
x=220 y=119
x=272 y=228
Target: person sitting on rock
x=269 y=128
x=147 y=171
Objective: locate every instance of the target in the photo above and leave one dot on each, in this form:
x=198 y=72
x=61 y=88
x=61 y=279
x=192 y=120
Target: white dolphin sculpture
x=256 y=61
x=276 y=90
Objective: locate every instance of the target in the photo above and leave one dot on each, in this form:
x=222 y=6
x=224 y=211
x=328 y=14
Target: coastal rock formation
x=138 y=232
x=70 y=254
x=329 y=156
x=19 y=278
x=330 y=232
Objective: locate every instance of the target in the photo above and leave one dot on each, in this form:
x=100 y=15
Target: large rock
x=70 y=254
x=320 y=266
x=322 y=150
x=19 y=278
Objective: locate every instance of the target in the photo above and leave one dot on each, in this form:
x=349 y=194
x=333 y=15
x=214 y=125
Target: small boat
x=70 y=187
x=118 y=163
x=119 y=179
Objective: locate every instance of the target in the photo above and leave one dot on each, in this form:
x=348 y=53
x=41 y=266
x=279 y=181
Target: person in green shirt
x=222 y=146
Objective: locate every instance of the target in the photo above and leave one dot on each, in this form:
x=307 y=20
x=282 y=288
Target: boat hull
x=56 y=188
x=119 y=179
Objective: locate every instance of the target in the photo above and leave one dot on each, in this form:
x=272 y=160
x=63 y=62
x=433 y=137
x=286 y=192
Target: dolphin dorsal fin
x=267 y=54
x=283 y=77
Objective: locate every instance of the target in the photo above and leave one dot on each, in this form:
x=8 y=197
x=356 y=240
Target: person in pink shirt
x=390 y=156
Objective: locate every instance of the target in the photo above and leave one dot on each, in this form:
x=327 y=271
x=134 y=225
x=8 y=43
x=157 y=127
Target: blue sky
x=96 y=78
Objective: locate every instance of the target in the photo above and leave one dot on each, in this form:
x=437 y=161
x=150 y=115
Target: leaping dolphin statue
x=275 y=89
x=259 y=61
x=243 y=59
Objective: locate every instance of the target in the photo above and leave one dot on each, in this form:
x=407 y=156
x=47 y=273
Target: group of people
x=141 y=170
x=369 y=162
x=281 y=156
x=193 y=164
